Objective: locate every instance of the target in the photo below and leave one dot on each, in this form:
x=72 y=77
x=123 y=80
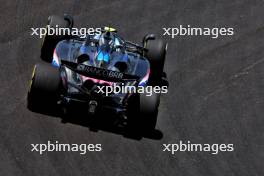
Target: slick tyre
x=156 y=53
x=143 y=112
x=50 y=41
x=149 y=111
x=44 y=88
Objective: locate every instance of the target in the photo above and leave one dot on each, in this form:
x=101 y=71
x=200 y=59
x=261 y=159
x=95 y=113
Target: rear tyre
x=143 y=111
x=50 y=41
x=149 y=110
x=44 y=87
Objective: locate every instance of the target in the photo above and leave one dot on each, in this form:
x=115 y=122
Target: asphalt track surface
x=216 y=92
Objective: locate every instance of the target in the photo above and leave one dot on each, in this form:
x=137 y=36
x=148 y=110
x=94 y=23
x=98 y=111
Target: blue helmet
x=106 y=46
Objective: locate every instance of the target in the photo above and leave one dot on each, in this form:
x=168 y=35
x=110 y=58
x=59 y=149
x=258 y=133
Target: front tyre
x=156 y=53
x=50 y=41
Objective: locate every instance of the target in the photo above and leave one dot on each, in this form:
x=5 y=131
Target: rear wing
x=99 y=73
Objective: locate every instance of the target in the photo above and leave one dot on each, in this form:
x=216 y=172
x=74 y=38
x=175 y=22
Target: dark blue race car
x=81 y=70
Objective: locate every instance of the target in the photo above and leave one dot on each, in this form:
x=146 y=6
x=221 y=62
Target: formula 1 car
x=79 y=66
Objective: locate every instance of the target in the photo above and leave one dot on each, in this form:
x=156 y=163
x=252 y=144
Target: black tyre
x=143 y=111
x=149 y=110
x=44 y=88
x=156 y=53
x=50 y=41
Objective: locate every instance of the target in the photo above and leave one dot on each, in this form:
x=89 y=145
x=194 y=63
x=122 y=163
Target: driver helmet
x=106 y=39
x=105 y=48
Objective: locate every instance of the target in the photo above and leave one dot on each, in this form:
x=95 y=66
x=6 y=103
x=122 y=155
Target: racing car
x=74 y=67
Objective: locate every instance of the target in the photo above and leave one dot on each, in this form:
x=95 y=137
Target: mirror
x=148 y=37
